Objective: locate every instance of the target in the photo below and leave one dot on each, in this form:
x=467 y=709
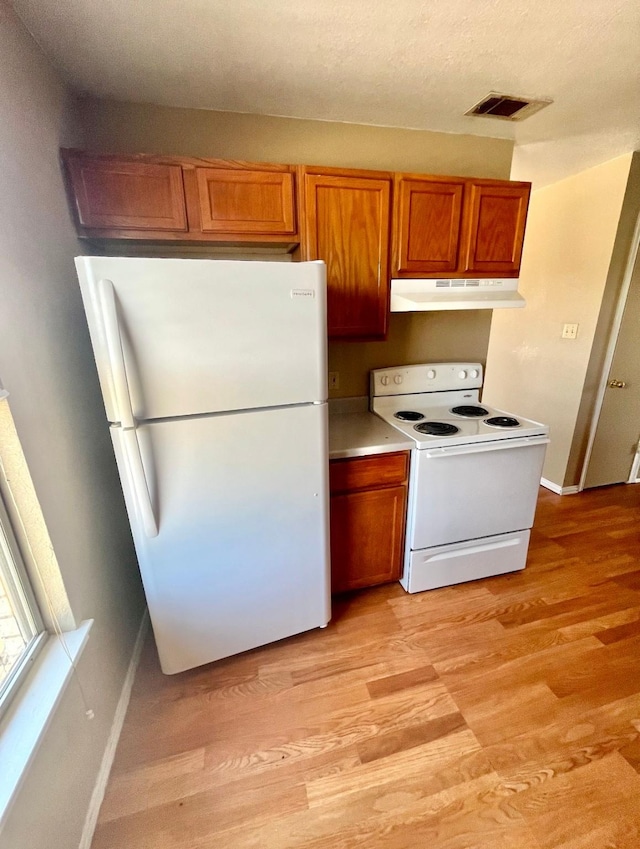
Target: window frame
x=20 y=593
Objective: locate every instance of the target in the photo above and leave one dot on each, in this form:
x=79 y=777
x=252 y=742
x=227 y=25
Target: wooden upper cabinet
x=113 y=192
x=179 y=198
x=496 y=216
x=457 y=227
x=442 y=226
x=246 y=201
x=427 y=224
x=346 y=216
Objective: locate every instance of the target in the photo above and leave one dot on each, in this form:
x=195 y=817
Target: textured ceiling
x=403 y=63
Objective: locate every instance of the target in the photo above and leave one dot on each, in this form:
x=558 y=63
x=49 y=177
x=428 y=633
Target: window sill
x=30 y=712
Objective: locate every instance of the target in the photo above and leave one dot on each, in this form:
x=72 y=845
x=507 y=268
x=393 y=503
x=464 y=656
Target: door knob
x=617 y=384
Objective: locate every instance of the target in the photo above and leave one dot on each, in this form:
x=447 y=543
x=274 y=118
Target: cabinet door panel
x=112 y=193
x=245 y=201
x=367 y=537
x=427 y=225
x=347 y=225
x=496 y=222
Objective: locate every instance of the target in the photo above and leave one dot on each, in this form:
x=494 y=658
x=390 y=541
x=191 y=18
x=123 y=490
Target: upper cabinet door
x=246 y=201
x=497 y=213
x=427 y=221
x=346 y=224
x=119 y=193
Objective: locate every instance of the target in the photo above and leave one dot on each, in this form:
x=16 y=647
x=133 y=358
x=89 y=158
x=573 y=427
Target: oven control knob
x=384 y=380
x=462 y=374
x=474 y=373
x=431 y=373
x=397 y=379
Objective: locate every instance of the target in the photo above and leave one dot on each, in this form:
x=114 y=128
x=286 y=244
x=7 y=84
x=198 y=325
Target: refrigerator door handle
x=139 y=481
x=115 y=352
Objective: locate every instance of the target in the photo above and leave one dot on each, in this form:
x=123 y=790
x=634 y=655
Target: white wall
x=531 y=370
x=47 y=365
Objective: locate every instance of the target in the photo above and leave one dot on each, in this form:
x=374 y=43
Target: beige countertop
x=355 y=432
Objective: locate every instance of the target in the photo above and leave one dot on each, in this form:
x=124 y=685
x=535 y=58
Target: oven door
x=469 y=491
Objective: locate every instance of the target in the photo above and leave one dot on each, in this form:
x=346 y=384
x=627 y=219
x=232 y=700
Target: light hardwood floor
x=499 y=714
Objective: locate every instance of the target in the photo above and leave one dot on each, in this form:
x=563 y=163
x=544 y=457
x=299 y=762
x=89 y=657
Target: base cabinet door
x=368 y=515
x=346 y=224
x=366 y=537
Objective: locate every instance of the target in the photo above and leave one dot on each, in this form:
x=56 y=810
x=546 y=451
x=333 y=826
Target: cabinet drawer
x=367 y=472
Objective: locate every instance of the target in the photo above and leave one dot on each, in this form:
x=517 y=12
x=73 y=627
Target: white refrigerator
x=214 y=379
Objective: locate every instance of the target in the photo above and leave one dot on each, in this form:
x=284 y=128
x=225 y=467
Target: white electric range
x=475 y=473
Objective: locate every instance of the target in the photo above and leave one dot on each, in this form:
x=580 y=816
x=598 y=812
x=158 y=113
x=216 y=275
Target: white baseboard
x=102 y=778
x=559 y=490
x=554 y=487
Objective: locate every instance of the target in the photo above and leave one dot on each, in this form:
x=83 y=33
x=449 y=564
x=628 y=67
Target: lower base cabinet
x=368 y=515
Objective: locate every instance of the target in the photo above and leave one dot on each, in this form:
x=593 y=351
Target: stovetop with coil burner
x=438 y=405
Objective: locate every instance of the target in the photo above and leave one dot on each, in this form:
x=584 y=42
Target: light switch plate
x=570 y=331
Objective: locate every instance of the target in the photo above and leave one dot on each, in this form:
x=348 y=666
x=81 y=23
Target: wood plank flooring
x=498 y=714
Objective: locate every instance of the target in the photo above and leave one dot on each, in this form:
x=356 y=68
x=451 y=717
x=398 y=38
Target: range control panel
x=431 y=377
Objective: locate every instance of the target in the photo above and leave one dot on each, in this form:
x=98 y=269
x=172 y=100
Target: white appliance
x=214 y=381
x=420 y=295
x=475 y=473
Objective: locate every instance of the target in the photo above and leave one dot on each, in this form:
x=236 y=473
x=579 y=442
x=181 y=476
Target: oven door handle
x=502 y=445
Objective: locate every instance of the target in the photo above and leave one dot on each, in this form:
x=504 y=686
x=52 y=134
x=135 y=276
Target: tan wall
x=127 y=127
x=46 y=364
x=568 y=248
x=413 y=338
x=144 y=128
x=617 y=267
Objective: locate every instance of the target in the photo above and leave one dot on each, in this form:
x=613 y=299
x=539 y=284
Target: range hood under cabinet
x=420 y=294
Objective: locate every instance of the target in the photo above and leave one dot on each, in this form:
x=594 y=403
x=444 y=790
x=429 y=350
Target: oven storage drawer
x=465 y=561
x=465 y=492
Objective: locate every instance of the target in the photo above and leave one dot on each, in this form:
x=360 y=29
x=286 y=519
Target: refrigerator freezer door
x=200 y=336
x=241 y=505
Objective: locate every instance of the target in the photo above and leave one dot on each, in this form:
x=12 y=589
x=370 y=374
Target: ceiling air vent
x=507 y=107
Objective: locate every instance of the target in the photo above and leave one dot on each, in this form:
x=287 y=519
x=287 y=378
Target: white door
x=240 y=506
x=189 y=336
x=617 y=438
x=471 y=491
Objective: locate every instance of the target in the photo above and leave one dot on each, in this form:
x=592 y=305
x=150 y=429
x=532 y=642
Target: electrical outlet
x=334 y=380
x=569 y=331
